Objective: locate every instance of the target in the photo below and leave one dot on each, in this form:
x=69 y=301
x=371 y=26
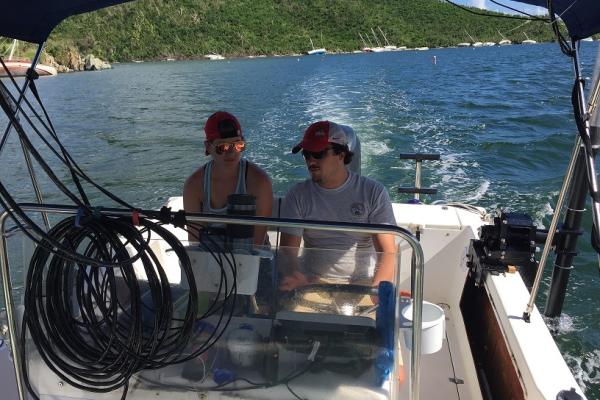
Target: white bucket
x=433 y=327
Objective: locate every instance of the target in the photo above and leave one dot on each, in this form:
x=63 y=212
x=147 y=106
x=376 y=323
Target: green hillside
x=154 y=29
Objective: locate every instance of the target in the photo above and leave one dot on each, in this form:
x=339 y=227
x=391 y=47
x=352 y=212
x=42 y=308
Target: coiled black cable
x=96 y=326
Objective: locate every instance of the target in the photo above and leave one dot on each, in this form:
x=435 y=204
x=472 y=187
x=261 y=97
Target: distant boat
x=587 y=39
x=366 y=48
x=421 y=48
x=19 y=68
x=214 y=57
x=315 y=51
x=504 y=41
x=388 y=46
x=488 y=44
x=379 y=47
x=527 y=40
x=474 y=42
x=464 y=44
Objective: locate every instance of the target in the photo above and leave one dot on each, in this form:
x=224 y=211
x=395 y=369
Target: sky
x=493 y=7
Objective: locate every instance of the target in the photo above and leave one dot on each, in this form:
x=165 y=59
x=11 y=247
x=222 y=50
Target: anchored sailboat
x=19 y=68
x=388 y=46
x=527 y=40
x=315 y=51
x=504 y=41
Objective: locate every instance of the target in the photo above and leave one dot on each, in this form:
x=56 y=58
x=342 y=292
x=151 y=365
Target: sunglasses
x=238 y=147
x=316 y=155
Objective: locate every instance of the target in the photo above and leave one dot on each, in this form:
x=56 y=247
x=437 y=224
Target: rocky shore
x=74 y=62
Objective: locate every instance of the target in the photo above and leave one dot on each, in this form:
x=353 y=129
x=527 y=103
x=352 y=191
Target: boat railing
x=417 y=270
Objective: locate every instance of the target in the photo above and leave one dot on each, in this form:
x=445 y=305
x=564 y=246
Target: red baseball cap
x=319 y=135
x=222 y=125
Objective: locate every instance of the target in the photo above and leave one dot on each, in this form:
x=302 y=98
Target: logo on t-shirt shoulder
x=357 y=210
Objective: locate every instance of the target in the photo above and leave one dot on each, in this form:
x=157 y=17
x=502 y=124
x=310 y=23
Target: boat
x=214 y=57
x=118 y=302
x=379 y=48
x=474 y=43
x=504 y=41
x=388 y=46
x=366 y=48
x=19 y=68
x=527 y=40
x=314 y=51
x=463 y=44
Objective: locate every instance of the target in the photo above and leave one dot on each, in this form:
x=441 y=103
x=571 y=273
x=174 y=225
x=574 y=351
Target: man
x=206 y=190
x=334 y=193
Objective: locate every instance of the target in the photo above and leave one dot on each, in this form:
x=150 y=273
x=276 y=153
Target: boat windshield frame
x=417 y=273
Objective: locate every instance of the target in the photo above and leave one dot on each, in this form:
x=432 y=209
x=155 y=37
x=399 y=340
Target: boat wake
x=481 y=191
x=585 y=368
x=562 y=325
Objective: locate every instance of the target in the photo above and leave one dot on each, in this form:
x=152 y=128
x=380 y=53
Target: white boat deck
x=444 y=374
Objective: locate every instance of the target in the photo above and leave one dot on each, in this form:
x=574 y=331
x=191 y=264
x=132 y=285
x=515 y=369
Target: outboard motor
x=507 y=245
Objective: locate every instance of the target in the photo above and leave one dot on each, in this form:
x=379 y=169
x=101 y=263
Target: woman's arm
x=192 y=200
x=260 y=186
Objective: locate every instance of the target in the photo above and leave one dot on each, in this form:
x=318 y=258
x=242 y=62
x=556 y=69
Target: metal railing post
x=10 y=310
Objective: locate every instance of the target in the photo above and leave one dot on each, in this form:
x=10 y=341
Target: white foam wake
x=480 y=192
x=585 y=368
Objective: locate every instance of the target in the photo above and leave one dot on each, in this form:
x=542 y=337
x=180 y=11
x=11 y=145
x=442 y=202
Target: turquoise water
x=500 y=118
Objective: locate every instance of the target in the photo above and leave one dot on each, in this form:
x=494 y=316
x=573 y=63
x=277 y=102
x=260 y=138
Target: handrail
x=10 y=312
x=416 y=279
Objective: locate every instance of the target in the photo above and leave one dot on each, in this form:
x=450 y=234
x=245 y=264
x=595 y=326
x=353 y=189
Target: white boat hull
x=19 y=69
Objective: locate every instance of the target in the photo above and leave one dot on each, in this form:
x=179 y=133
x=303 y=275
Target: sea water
x=500 y=117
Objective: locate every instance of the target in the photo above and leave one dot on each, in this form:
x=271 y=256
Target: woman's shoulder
x=257 y=173
x=196 y=178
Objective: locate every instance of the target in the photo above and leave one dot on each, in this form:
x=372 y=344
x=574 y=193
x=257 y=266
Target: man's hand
x=295 y=280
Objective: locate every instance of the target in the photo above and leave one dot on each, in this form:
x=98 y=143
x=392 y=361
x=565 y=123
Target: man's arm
x=385 y=244
x=289 y=267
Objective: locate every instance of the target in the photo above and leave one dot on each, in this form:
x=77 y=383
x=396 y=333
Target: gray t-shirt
x=360 y=200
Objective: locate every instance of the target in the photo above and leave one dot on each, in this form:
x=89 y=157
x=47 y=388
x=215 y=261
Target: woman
x=227 y=172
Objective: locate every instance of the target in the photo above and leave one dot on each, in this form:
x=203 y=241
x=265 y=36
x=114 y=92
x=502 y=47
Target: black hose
x=95 y=326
